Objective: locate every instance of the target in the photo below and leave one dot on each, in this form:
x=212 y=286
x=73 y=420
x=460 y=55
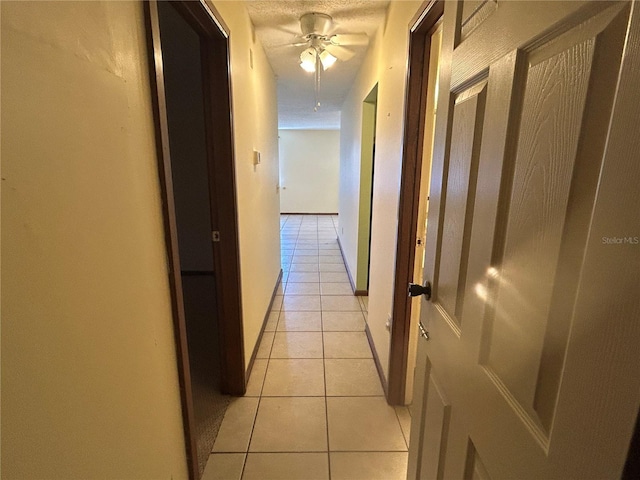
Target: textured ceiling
x=277 y=24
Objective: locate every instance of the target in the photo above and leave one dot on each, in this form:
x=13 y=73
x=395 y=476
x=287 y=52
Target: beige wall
x=255 y=115
x=89 y=381
x=351 y=154
x=309 y=171
x=386 y=64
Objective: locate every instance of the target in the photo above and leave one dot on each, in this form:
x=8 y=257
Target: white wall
x=255 y=124
x=386 y=64
x=89 y=378
x=309 y=171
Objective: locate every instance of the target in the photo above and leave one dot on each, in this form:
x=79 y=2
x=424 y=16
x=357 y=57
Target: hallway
x=314 y=407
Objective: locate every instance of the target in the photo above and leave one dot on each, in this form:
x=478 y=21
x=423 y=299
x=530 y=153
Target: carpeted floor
x=210 y=406
x=204 y=360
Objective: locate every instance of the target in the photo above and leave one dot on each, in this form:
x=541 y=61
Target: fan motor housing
x=315 y=24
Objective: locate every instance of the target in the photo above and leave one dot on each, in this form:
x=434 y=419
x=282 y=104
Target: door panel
x=520 y=152
x=437 y=416
x=474 y=12
x=474 y=468
x=536 y=221
x=468 y=112
x=515 y=25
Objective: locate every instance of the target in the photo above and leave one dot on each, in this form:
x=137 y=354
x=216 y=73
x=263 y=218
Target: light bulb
x=308 y=60
x=327 y=59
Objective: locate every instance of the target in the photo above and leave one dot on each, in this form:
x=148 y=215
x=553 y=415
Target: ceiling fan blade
x=346 y=39
x=286 y=45
x=297 y=41
x=341 y=53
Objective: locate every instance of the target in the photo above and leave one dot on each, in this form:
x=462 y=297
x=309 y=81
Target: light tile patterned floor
x=314 y=407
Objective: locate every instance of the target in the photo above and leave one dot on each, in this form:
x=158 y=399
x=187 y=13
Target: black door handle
x=415 y=290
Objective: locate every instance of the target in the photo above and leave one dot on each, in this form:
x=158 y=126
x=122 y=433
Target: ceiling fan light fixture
x=327 y=59
x=308 y=60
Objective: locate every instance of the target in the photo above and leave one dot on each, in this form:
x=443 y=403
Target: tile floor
x=314 y=407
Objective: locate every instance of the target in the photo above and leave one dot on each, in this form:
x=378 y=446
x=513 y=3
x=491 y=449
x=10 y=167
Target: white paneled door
x=531 y=368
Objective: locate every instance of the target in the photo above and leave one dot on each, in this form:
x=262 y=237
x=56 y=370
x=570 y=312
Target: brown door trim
x=214 y=44
x=416 y=101
x=222 y=187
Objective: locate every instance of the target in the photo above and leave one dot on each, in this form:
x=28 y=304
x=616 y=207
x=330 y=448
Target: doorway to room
x=189 y=56
x=424 y=54
x=367 y=168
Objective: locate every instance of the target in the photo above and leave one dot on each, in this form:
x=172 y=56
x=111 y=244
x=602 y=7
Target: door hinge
x=423 y=331
x=215 y=236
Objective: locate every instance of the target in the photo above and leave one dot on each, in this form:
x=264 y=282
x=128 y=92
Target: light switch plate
x=256 y=157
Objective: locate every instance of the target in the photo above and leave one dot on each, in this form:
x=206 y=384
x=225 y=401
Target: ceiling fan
x=316 y=33
x=323 y=46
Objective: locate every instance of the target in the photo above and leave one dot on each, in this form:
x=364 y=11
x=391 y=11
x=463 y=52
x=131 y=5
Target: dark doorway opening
x=188 y=47
x=181 y=58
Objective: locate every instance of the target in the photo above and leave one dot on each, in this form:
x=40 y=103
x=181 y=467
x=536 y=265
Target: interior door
x=531 y=370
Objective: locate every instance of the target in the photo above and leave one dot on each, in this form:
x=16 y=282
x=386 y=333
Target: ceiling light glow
x=308 y=60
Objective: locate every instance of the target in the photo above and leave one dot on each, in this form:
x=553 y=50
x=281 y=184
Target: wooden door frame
x=415 y=110
x=214 y=35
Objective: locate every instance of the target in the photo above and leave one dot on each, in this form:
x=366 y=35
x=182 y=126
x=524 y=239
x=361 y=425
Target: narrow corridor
x=314 y=407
